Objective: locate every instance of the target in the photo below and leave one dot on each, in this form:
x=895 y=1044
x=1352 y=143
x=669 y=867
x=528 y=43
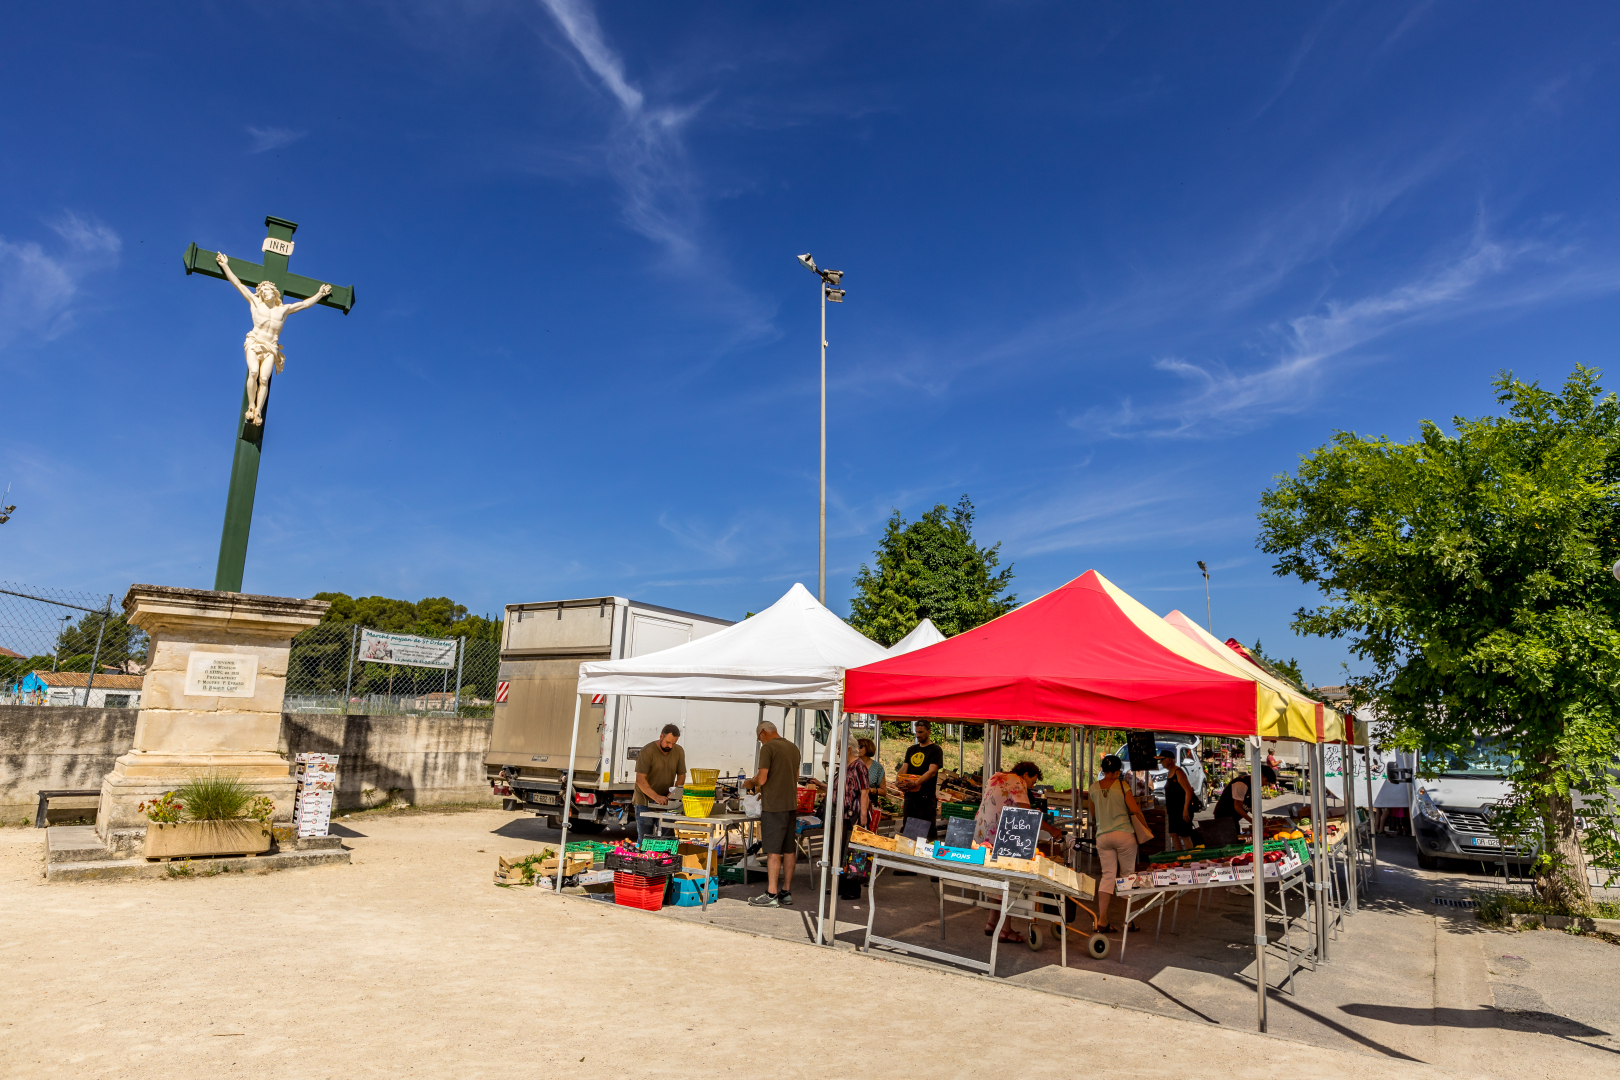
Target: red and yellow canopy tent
x=1089 y=655
x=1085 y=654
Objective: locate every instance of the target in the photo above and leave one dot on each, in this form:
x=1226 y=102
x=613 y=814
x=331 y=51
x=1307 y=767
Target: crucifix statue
x=263 y=286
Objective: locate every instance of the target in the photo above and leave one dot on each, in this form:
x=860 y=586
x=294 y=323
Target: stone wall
x=428 y=760
x=57 y=746
x=425 y=760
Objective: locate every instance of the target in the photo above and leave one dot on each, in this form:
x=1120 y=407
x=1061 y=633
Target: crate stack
x=317 y=787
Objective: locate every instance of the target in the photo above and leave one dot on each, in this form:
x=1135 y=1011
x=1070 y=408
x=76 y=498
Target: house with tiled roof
x=67 y=688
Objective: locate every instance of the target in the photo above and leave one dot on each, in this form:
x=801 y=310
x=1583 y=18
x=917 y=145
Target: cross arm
x=198 y=261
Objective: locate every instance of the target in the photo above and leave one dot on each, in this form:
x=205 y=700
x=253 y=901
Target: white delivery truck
x=542 y=646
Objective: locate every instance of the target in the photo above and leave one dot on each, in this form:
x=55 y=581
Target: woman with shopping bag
x=1120 y=827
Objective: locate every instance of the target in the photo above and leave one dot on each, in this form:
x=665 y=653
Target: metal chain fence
x=329 y=672
x=59 y=647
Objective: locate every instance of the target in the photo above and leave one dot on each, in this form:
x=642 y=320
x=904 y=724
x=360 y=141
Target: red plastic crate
x=637 y=891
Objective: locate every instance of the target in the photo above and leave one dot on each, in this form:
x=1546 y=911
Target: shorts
x=1178 y=826
x=778 y=831
x=1117 y=850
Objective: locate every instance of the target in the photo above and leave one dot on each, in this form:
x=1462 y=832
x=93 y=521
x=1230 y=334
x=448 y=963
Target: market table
x=1157 y=897
x=1020 y=895
x=718 y=827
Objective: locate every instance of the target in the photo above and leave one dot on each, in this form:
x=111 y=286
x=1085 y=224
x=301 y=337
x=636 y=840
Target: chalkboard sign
x=1143 y=750
x=959 y=832
x=1017 y=832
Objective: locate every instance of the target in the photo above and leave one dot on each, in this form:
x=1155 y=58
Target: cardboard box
x=860 y=836
x=1183 y=877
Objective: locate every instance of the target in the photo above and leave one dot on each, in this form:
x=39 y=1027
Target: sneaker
x=784 y=898
x=765 y=900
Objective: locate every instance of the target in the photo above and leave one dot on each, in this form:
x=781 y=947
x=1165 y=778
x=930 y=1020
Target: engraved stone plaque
x=221 y=674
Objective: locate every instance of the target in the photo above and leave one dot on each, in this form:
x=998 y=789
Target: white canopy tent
x=922 y=635
x=793 y=653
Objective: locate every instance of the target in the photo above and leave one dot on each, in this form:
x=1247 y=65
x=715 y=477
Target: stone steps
x=76 y=853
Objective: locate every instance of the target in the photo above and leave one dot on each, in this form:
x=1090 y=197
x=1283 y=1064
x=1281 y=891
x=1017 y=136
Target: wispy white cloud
x=37 y=286
x=272 y=138
x=645 y=152
x=1221 y=400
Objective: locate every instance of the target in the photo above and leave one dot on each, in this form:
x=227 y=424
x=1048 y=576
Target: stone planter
x=183 y=839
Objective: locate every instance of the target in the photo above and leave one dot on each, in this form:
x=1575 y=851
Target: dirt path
x=408 y=962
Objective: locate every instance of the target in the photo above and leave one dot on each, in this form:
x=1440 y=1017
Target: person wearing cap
x=1233 y=806
x=1178 y=803
x=1115 y=812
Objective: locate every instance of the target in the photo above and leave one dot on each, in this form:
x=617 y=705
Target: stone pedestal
x=211 y=700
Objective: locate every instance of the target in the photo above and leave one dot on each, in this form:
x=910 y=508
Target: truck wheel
x=1427 y=861
x=554 y=822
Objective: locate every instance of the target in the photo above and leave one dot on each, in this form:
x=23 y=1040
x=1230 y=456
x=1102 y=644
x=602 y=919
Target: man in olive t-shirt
x=660 y=766
x=778 y=784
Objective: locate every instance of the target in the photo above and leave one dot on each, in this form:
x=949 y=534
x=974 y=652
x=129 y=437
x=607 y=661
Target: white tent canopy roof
x=792 y=653
x=922 y=635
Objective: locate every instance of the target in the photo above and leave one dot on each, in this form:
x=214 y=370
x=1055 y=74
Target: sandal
x=1012 y=937
x=1105 y=928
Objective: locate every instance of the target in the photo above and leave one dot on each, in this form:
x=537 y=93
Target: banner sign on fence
x=380 y=648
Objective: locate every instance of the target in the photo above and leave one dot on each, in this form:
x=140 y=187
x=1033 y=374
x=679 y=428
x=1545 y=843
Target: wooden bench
x=45 y=798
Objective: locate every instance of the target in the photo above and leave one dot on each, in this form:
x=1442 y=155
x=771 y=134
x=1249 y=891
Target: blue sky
x=1110 y=269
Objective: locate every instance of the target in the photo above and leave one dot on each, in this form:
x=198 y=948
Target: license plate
x=549 y=800
x=1486 y=841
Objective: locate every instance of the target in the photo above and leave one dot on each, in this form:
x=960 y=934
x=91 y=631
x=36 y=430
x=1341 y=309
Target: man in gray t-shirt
x=777 y=782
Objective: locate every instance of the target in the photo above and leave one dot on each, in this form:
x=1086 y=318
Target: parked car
x=1185 y=747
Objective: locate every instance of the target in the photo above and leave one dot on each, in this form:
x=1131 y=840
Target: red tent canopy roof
x=1074 y=656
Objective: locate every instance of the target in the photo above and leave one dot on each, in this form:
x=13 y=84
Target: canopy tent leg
x=1351 y=844
x=827 y=832
x=1257 y=816
x=1319 y=847
x=568 y=799
x=1372 y=832
x=1074 y=780
x=836 y=794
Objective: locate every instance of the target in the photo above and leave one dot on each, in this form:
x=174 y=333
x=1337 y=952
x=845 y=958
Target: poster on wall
x=379 y=648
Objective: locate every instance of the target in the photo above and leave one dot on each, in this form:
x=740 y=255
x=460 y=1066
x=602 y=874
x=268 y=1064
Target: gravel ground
x=410 y=962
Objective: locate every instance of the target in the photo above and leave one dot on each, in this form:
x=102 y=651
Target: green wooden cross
x=278 y=245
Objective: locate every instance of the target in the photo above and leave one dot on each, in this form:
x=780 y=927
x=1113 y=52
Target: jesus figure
x=263 y=344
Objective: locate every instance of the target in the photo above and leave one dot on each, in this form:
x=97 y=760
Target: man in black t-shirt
x=923 y=758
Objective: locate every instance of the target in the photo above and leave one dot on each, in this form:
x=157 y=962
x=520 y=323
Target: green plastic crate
x=595 y=847
x=959 y=809
x=654 y=843
x=733 y=874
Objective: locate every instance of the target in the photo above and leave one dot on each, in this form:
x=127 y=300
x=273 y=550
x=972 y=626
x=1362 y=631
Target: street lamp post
x=829 y=291
x=1209 y=619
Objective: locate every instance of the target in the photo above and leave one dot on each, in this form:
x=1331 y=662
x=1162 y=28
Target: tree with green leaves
x=1471 y=570
x=1283 y=669
x=931 y=568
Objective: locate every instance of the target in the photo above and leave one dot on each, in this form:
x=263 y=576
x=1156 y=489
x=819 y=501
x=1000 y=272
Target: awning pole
x=1319 y=847
x=826 y=840
x=1372 y=818
x=1257 y=822
x=835 y=811
x=1074 y=777
x=568 y=797
x=1351 y=845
